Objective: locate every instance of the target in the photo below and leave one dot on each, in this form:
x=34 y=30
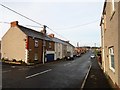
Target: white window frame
x=111 y=52
x=36 y=56
x=36 y=43
x=113 y=5
x=50 y=45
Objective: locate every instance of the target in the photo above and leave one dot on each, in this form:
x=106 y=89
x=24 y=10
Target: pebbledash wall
x=110 y=29
x=119 y=44
x=11 y=42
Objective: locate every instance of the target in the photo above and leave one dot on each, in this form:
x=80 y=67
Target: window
x=104 y=21
x=36 y=56
x=50 y=45
x=113 y=5
x=111 y=59
x=36 y=43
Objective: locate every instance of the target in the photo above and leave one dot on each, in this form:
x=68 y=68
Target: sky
x=71 y=20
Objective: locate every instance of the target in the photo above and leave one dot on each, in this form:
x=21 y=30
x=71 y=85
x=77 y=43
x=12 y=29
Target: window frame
x=36 y=56
x=50 y=45
x=36 y=43
x=111 y=53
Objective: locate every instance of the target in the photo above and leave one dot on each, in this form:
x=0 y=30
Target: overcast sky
x=73 y=20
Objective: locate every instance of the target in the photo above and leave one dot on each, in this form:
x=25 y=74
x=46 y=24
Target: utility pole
x=77 y=44
x=95 y=50
x=44 y=44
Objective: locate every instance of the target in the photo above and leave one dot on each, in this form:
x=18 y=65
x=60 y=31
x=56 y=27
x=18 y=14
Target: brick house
x=21 y=43
x=110 y=42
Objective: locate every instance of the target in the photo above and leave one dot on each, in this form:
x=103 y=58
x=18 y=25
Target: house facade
x=70 y=49
x=13 y=44
x=62 y=48
x=50 y=50
x=110 y=42
x=24 y=44
x=58 y=48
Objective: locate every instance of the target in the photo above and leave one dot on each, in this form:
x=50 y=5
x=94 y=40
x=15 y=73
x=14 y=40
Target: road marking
x=84 y=81
x=6 y=71
x=12 y=66
x=67 y=64
x=38 y=73
x=22 y=69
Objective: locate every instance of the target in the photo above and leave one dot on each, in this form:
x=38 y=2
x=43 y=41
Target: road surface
x=58 y=74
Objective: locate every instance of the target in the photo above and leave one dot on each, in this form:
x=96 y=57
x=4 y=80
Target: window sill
x=112 y=69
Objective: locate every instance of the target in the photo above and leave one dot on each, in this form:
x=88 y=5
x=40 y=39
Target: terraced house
x=21 y=43
x=24 y=44
x=110 y=40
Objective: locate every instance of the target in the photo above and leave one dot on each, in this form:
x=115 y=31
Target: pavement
x=96 y=77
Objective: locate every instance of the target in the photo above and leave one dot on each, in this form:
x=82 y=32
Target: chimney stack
x=14 y=23
x=51 y=35
x=44 y=29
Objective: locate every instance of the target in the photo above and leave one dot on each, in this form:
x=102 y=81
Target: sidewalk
x=96 y=77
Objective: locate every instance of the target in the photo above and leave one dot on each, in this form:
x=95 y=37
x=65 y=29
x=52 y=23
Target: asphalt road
x=58 y=74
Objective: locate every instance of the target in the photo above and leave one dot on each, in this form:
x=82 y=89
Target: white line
x=85 y=78
x=38 y=73
x=22 y=69
x=6 y=71
x=67 y=64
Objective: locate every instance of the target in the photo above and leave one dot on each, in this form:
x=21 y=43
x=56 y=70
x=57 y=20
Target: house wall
x=119 y=44
x=50 y=46
x=111 y=39
x=13 y=44
x=70 y=49
x=50 y=50
x=58 y=51
x=102 y=44
x=64 y=51
x=32 y=50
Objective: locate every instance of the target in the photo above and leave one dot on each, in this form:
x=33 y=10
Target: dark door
x=50 y=57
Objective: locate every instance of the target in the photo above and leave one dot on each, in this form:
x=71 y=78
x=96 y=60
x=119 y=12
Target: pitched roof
x=33 y=33
x=59 y=41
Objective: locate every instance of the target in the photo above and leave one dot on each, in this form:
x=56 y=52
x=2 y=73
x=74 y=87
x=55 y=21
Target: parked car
x=92 y=56
x=78 y=55
x=69 y=56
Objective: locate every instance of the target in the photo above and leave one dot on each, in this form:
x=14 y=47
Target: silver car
x=92 y=56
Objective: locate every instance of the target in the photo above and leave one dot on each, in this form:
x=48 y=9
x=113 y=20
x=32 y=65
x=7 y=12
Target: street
x=57 y=74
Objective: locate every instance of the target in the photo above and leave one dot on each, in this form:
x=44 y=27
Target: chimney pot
x=14 y=23
x=51 y=35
